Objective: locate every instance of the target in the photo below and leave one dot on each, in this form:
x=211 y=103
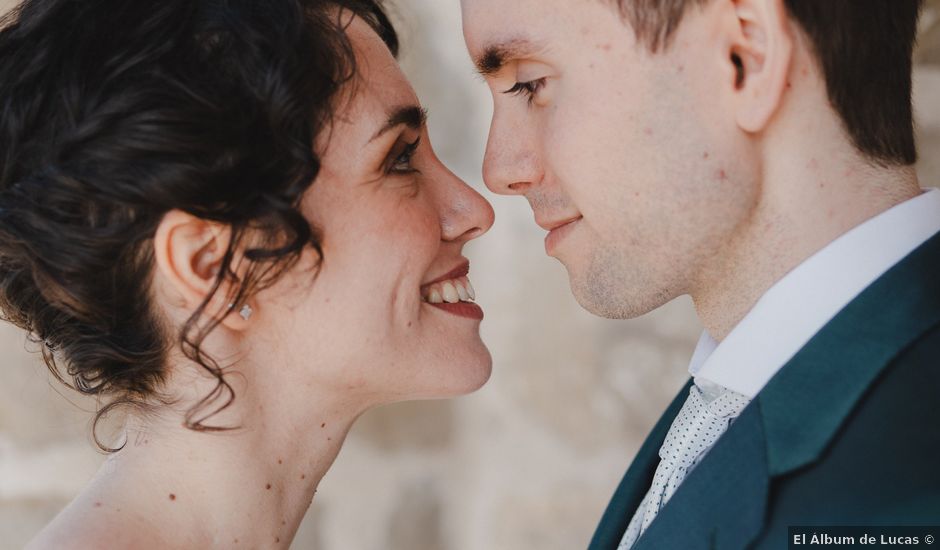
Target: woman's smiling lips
x=453 y=293
x=557 y=231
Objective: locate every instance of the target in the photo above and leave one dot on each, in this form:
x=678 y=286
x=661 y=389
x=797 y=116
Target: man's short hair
x=863 y=47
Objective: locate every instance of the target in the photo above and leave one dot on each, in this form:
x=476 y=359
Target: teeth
x=473 y=295
x=450 y=293
x=461 y=291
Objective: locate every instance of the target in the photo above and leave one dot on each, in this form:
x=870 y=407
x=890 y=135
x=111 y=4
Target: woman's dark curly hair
x=114 y=112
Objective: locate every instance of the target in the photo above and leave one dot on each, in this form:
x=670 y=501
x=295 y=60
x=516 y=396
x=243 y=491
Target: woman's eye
x=528 y=89
x=401 y=164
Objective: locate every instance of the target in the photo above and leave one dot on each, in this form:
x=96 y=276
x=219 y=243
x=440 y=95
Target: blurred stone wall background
x=527 y=462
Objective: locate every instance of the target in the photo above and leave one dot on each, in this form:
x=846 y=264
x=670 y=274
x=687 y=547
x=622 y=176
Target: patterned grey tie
x=706 y=414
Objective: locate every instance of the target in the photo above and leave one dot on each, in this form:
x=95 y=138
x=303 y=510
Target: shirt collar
x=803 y=301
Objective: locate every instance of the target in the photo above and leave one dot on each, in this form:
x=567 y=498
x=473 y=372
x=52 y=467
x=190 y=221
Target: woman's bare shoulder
x=94 y=525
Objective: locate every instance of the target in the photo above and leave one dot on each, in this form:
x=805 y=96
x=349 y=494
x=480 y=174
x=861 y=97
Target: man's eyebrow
x=496 y=55
x=411 y=116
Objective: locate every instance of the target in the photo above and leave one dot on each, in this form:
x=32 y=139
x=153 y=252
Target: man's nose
x=511 y=164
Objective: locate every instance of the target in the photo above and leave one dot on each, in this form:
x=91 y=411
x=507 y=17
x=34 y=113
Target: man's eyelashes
x=528 y=89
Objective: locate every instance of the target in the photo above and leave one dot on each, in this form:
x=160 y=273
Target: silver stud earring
x=245 y=311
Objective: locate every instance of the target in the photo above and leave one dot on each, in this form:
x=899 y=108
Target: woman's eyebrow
x=412 y=116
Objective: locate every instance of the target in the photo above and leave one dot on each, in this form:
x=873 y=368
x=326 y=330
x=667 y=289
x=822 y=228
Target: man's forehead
x=499 y=32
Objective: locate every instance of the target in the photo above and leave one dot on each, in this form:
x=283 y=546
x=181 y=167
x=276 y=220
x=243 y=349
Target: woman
x=224 y=217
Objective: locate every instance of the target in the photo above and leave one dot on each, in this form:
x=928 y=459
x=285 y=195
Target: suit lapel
x=806 y=403
x=721 y=504
x=636 y=481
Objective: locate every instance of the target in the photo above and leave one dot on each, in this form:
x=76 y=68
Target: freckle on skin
x=705 y=155
x=648 y=131
x=722 y=175
x=277 y=539
x=323 y=425
x=172 y=496
x=97 y=505
x=303 y=476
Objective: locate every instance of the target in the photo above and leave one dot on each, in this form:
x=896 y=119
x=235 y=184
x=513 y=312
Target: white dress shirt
x=797 y=306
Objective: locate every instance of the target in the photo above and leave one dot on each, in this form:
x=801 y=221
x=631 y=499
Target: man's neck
x=807 y=201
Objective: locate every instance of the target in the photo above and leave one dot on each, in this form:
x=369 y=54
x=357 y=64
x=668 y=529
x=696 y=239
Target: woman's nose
x=465 y=214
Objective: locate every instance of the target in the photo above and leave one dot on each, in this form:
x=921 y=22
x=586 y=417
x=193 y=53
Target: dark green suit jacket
x=846 y=433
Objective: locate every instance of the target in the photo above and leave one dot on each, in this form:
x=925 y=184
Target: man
x=757 y=155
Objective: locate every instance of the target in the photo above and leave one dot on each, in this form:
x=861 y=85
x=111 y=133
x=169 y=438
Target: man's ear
x=760 y=52
x=189 y=253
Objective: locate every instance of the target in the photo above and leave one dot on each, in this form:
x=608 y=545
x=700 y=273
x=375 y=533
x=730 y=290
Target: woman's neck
x=172 y=487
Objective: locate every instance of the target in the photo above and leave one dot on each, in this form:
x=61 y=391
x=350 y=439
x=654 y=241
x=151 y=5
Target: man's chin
x=612 y=301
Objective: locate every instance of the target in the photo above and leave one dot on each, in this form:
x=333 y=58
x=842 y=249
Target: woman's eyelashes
x=528 y=89
x=402 y=156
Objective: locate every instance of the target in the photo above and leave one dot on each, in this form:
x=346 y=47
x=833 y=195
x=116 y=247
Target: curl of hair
x=113 y=113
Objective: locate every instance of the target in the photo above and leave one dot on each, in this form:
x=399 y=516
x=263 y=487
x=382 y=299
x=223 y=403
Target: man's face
x=631 y=160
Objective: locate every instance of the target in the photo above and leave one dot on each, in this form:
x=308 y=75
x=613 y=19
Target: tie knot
x=719 y=400
x=701 y=421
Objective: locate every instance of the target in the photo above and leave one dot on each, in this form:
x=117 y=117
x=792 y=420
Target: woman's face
x=393 y=222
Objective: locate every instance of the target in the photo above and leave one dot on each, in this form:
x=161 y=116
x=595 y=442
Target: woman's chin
x=459 y=377
x=480 y=375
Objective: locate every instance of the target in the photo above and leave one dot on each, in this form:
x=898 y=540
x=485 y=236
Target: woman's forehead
x=379 y=85
x=378 y=74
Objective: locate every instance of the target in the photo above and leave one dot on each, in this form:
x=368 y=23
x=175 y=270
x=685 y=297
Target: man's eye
x=402 y=163
x=528 y=89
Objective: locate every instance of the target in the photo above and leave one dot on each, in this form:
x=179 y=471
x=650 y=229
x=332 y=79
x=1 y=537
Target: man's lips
x=558 y=232
x=551 y=225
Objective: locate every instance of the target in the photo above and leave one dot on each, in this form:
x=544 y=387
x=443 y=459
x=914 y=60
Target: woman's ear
x=760 y=52
x=189 y=253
